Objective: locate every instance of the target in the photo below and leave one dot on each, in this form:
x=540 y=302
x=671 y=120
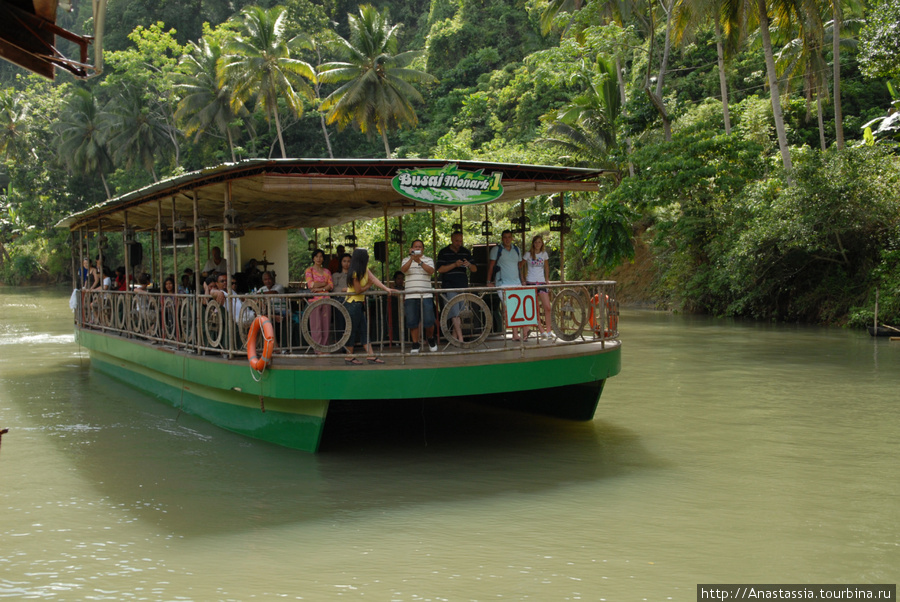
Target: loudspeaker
x=380 y=251
x=135 y=254
x=481 y=254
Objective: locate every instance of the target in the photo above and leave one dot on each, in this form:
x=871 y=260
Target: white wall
x=271 y=243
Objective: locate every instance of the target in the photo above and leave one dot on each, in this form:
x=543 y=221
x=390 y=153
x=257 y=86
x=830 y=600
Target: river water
x=725 y=452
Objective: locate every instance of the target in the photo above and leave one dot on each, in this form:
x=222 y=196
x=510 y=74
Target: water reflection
x=194 y=479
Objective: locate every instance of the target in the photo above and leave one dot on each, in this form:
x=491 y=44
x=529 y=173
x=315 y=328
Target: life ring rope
x=612 y=318
x=260 y=323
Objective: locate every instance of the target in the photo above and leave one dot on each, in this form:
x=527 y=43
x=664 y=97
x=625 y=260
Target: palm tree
x=259 y=65
x=379 y=93
x=135 y=131
x=803 y=58
x=207 y=104
x=82 y=136
x=729 y=18
x=585 y=128
x=316 y=46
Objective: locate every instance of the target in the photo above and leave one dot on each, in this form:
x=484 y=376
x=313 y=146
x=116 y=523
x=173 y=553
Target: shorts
x=455 y=308
x=540 y=290
x=414 y=316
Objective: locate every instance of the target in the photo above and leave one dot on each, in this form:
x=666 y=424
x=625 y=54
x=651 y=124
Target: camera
x=416 y=253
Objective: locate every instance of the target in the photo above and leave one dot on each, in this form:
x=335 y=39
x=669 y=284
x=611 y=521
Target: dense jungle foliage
x=755 y=143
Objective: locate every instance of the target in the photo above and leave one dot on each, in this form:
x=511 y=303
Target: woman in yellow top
x=356 y=304
x=318 y=280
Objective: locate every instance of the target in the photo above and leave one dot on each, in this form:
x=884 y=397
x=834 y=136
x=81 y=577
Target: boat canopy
x=280 y=194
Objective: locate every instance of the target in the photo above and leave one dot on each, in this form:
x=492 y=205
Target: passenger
x=270 y=287
x=334 y=265
x=103 y=275
x=87 y=274
x=96 y=274
x=419 y=301
x=214 y=286
x=121 y=284
x=399 y=280
x=360 y=280
x=340 y=286
x=537 y=272
x=216 y=263
x=318 y=280
x=339 y=278
x=168 y=288
x=143 y=283
x=188 y=282
x=252 y=275
x=454 y=264
x=185 y=287
x=504 y=267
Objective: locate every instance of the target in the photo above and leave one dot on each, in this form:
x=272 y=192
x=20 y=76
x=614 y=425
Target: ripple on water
x=37 y=338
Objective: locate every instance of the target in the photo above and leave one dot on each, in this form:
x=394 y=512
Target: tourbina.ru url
x=796 y=592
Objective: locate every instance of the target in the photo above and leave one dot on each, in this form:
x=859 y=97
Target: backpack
x=497 y=261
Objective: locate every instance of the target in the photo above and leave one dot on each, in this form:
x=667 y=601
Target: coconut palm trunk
x=773 y=85
x=836 y=47
x=723 y=83
x=280 y=137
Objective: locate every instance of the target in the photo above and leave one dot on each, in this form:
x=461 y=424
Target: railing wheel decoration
x=475 y=317
x=569 y=314
x=213 y=324
x=187 y=321
x=249 y=311
x=307 y=335
x=94 y=305
x=170 y=317
x=121 y=302
x=107 y=319
x=137 y=314
x=151 y=316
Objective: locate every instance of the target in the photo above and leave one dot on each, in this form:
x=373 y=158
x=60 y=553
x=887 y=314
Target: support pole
x=522 y=223
x=174 y=249
x=159 y=242
x=387 y=248
x=197 y=284
x=226 y=242
x=562 y=238
x=433 y=233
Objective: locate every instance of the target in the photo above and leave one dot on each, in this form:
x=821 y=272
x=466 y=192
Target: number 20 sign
x=521 y=307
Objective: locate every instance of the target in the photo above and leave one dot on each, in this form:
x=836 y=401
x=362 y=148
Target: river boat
x=883 y=330
x=192 y=352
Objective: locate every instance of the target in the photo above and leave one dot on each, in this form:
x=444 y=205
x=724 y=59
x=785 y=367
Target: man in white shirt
x=419 y=300
x=216 y=263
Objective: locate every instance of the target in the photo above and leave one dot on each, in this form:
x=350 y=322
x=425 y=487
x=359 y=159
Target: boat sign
x=448 y=185
x=521 y=307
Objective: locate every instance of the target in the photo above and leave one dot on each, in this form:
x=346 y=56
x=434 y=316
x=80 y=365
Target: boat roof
x=279 y=194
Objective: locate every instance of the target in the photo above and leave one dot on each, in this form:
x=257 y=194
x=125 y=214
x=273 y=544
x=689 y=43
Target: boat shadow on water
x=157 y=464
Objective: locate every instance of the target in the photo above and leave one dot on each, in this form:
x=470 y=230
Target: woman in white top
x=537 y=272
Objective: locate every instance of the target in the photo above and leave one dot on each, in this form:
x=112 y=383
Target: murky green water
x=724 y=452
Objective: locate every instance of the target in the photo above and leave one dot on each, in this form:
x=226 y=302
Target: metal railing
x=580 y=313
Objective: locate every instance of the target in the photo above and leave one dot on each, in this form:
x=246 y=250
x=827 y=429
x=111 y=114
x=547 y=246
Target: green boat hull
x=288 y=404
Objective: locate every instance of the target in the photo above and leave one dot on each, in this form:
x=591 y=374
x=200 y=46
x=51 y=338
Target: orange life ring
x=612 y=320
x=259 y=363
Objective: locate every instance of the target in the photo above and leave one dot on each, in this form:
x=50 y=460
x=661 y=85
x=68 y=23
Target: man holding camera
x=419 y=300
